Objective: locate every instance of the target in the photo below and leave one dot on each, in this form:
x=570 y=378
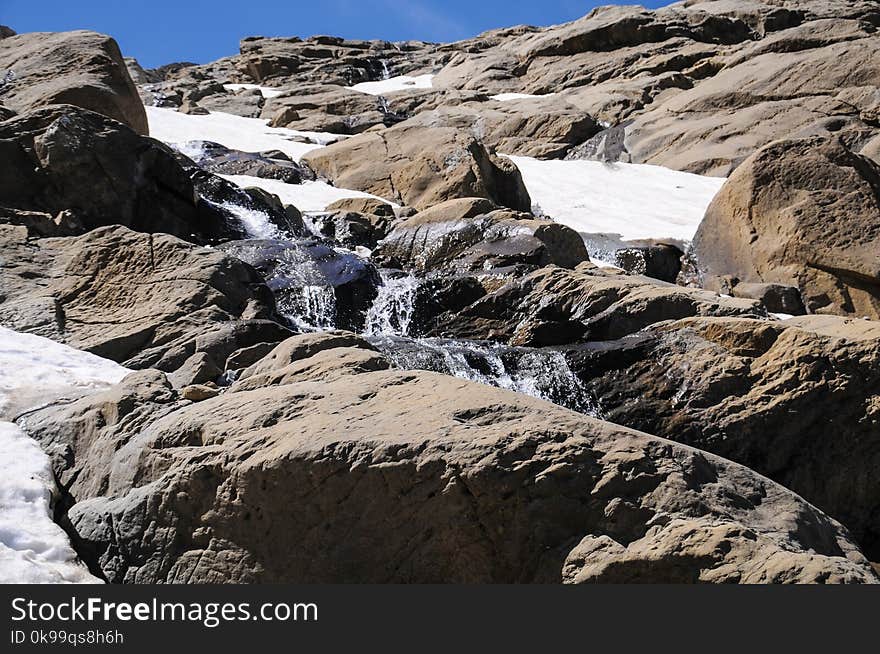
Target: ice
x=235 y=132
x=308 y=196
x=265 y=91
x=392 y=84
x=634 y=201
x=34 y=371
x=507 y=97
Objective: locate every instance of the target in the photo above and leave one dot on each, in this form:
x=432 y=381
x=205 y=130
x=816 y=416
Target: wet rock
x=428 y=242
x=554 y=306
x=794 y=400
x=64 y=158
x=314 y=284
x=776 y=298
x=661 y=262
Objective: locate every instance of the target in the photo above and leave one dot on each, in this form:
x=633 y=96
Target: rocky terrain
x=597 y=302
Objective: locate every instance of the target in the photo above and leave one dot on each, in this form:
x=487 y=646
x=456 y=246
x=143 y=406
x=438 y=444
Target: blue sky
x=162 y=31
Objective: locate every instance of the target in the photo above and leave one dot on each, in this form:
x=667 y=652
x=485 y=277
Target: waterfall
x=392 y=310
x=256 y=223
x=541 y=373
x=386 y=74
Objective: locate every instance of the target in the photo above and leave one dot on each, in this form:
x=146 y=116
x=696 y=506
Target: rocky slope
x=307 y=189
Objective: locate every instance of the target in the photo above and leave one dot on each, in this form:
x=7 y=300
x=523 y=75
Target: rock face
x=64 y=158
x=421 y=165
x=138 y=299
x=798 y=401
x=80 y=68
x=804 y=213
x=349 y=480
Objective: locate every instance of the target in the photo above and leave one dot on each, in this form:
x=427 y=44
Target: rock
x=350 y=229
x=456 y=209
x=797 y=401
x=661 y=261
x=333 y=109
x=6 y=32
x=554 y=306
x=79 y=68
x=315 y=285
x=64 y=158
x=135 y=298
x=198 y=393
x=429 y=242
x=247 y=356
x=776 y=298
x=362 y=472
x=421 y=166
x=372 y=206
x=800 y=213
x=197 y=369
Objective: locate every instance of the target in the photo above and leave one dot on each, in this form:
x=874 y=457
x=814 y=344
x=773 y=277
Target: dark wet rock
x=661 y=261
x=798 y=401
x=312 y=281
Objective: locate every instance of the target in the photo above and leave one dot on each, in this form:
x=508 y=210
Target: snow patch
x=235 y=132
x=34 y=371
x=308 y=196
x=265 y=91
x=392 y=84
x=507 y=97
x=633 y=201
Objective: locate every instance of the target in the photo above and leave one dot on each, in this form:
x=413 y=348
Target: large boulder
x=804 y=213
x=798 y=401
x=139 y=299
x=367 y=475
x=81 y=68
x=437 y=240
x=421 y=164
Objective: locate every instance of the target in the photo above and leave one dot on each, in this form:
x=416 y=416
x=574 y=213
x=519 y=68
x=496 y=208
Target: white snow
x=507 y=97
x=265 y=91
x=634 y=201
x=392 y=84
x=308 y=196
x=235 y=132
x=35 y=370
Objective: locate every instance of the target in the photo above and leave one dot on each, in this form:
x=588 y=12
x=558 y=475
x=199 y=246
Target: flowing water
x=305 y=296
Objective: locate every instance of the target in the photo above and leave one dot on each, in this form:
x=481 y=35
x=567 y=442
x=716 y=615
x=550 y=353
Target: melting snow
x=308 y=196
x=507 y=97
x=392 y=84
x=265 y=91
x=634 y=201
x=235 y=132
x=35 y=370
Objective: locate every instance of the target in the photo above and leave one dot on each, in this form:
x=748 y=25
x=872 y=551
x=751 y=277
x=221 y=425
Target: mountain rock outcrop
x=354 y=479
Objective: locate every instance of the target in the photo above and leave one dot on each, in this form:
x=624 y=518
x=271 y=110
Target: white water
x=392 y=310
x=540 y=373
x=256 y=223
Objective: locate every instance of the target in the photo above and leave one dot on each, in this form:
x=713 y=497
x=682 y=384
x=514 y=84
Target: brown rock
x=80 y=68
x=421 y=165
x=797 y=401
x=395 y=476
x=803 y=213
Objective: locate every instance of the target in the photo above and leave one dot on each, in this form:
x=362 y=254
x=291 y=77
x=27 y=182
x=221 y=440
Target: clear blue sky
x=161 y=31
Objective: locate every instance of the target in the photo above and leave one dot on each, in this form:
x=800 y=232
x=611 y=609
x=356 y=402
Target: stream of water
x=306 y=296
